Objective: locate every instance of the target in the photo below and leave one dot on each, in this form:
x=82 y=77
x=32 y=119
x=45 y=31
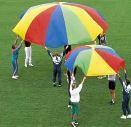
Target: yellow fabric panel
x=22 y=27
x=98 y=66
x=91 y=26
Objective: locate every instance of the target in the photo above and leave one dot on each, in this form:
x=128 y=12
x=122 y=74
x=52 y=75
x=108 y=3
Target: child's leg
x=59 y=76
x=30 y=55
x=124 y=105
x=26 y=56
x=76 y=112
x=72 y=112
x=112 y=91
x=68 y=76
x=127 y=105
x=69 y=90
x=54 y=75
x=15 y=68
x=113 y=96
x=75 y=71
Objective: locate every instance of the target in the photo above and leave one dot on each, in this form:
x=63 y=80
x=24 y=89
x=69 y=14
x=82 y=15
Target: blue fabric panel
x=69 y=64
x=56 y=34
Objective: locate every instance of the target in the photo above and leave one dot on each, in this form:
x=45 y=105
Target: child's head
x=56 y=54
x=74 y=85
x=127 y=81
x=13 y=46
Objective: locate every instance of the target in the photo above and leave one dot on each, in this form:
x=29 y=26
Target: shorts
x=75 y=108
x=112 y=85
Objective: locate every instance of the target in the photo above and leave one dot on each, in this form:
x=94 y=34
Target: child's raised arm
x=83 y=80
x=49 y=52
x=16 y=40
x=125 y=73
x=19 y=46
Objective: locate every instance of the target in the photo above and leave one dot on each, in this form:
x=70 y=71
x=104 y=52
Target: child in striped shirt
x=57 y=61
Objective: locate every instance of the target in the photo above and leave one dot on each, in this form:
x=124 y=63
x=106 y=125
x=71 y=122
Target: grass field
x=31 y=101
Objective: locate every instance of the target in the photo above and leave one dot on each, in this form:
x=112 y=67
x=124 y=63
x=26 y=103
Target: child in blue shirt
x=15 y=53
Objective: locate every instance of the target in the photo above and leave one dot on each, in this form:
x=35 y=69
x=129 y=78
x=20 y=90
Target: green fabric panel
x=83 y=60
x=76 y=32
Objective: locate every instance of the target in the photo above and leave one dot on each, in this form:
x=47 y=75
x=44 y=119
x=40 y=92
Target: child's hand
x=17 y=37
x=45 y=47
x=118 y=75
x=83 y=80
x=124 y=70
x=67 y=46
x=85 y=77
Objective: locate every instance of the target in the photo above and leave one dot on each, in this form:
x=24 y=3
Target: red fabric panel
x=95 y=15
x=114 y=62
x=67 y=55
x=36 y=32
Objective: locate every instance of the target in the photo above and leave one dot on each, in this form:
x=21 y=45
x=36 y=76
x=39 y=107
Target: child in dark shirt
x=57 y=61
x=126 y=85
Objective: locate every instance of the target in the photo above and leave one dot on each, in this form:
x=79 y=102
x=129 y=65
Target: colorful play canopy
x=95 y=60
x=60 y=23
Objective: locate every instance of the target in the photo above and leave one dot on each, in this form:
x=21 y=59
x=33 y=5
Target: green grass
x=31 y=101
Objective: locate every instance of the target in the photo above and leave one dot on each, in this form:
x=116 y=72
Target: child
x=57 y=61
x=28 y=54
x=68 y=74
x=75 y=99
x=126 y=96
x=112 y=85
x=102 y=39
x=15 y=53
x=70 y=78
x=67 y=54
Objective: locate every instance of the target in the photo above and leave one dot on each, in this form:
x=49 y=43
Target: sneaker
x=54 y=84
x=76 y=123
x=17 y=76
x=31 y=65
x=25 y=65
x=73 y=124
x=129 y=116
x=14 y=77
x=59 y=85
x=123 y=117
x=69 y=106
x=112 y=102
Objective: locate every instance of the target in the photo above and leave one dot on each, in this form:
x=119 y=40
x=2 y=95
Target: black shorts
x=112 y=85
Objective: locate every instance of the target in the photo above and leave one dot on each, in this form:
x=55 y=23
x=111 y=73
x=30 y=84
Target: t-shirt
x=111 y=77
x=15 y=52
x=126 y=88
x=75 y=93
x=56 y=59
